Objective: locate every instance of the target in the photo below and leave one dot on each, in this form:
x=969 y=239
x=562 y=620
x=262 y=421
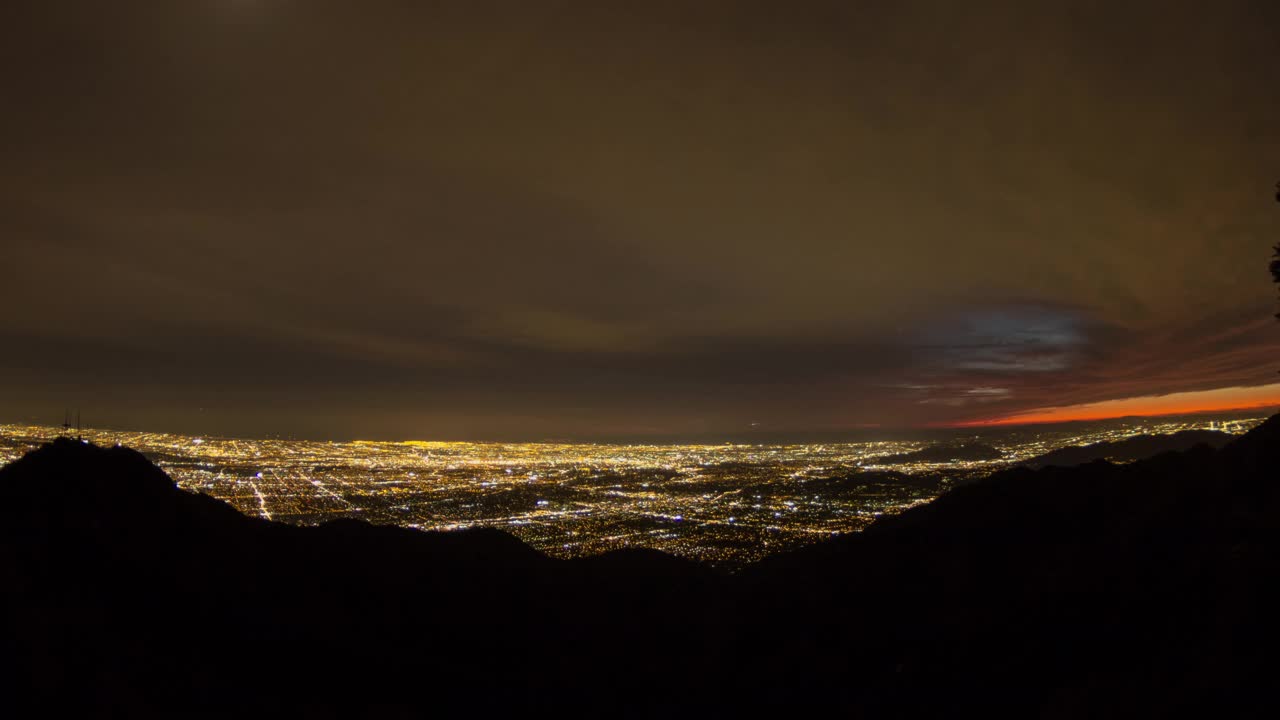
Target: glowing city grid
x=724 y=504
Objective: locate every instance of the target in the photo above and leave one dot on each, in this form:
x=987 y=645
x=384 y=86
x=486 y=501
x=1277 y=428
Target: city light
x=723 y=504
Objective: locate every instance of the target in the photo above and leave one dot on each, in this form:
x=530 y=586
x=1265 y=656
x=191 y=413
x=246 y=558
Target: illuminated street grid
x=724 y=504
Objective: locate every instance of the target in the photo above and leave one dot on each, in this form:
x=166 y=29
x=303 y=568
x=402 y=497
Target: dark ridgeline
x=1143 y=590
x=1130 y=449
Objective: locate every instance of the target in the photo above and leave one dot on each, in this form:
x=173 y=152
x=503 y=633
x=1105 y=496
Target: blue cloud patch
x=1022 y=339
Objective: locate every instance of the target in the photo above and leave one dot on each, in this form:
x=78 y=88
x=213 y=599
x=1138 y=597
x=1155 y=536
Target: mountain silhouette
x=1102 y=590
x=1130 y=449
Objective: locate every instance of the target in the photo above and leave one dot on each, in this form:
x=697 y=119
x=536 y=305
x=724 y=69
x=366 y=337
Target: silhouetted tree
x=1275 y=257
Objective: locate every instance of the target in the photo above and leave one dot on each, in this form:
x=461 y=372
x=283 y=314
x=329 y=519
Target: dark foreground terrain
x=1145 y=590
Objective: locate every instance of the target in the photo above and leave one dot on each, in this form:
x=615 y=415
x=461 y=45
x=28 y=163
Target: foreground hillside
x=1108 y=590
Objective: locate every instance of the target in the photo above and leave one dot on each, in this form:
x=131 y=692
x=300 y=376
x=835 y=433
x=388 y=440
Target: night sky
x=539 y=219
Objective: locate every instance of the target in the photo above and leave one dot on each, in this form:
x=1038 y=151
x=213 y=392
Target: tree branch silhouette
x=1275 y=256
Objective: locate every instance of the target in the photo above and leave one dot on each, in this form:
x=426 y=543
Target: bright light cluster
x=724 y=504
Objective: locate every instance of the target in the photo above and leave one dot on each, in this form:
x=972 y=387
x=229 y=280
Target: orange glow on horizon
x=1183 y=403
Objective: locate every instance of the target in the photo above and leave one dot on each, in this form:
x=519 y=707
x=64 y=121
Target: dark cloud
x=533 y=219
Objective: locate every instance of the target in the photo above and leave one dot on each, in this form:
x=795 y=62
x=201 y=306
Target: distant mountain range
x=1130 y=449
x=942 y=453
x=1145 y=589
